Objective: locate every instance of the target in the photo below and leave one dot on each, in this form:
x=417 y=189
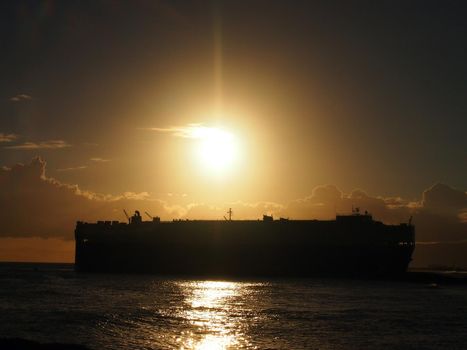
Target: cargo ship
x=350 y=245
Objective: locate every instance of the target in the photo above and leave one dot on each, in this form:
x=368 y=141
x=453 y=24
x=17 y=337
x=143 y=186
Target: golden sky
x=185 y=109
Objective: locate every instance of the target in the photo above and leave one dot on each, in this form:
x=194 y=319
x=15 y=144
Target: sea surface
x=52 y=303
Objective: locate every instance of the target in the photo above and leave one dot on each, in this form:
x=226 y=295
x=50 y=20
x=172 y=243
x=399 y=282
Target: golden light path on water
x=211 y=310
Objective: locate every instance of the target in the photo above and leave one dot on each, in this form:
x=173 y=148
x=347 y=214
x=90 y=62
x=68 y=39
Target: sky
x=187 y=108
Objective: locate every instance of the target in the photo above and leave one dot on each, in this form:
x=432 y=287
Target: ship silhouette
x=350 y=245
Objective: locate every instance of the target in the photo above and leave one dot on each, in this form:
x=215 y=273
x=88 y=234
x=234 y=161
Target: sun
x=216 y=148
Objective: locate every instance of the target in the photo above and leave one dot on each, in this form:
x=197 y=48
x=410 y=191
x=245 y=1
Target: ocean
x=52 y=303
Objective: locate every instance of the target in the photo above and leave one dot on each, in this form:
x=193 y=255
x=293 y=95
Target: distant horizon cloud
x=8 y=137
x=73 y=168
x=49 y=144
x=20 y=97
x=99 y=160
x=41 y=206
x=324 y=202
x=190 y=131
x=171 y=194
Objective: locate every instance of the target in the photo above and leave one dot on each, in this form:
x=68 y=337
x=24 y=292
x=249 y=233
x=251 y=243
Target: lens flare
x=216 y=148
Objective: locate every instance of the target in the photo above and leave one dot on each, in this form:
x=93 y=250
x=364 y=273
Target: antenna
x=410 y=220
x=230 y=212
x=127 y=216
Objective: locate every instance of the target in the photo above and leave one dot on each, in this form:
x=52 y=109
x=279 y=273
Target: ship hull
x=246 y=248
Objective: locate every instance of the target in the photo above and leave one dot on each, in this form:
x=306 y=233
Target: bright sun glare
x=217 y=149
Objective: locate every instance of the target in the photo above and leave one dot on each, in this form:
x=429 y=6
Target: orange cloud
x=20 y=97
x=38 y=206
x=181 y=131
x=44 y=207
x=8 y=137
x=99 y=160
x=50 y=144
x=73 y=168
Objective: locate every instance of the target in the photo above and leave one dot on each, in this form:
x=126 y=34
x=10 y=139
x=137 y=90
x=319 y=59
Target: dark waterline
x=51 y=303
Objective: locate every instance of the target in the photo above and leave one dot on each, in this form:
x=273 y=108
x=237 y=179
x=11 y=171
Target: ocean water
x=52 y=303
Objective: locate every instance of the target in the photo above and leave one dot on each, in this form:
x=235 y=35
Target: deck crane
x=149 y=215
x=127 y=216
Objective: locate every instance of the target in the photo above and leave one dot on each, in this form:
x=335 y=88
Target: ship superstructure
x=349 y=245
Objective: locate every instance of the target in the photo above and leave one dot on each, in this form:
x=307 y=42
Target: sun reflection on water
x=211 y=310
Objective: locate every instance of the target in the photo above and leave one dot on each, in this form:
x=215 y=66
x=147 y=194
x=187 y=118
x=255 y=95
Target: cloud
x=439 y=216
x=180 y=131
x=40 y=206
x=463 y=216
x=240 y=210
x=134 y=195
x=99 y=160
x=192 y=131
x=442 y=198
x=8 y=137
x=181 y=195
x=327 y=200
x=49 y=144
x=20 y=97
x=73 y=168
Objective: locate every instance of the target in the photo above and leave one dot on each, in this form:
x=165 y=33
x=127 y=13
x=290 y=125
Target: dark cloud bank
x=37 y=206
